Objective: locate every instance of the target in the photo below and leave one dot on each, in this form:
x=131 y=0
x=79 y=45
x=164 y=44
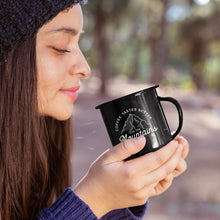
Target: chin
x=59 y=112
x=61 y=115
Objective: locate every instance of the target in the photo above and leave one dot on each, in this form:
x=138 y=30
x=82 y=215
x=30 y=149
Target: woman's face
x=60 y=64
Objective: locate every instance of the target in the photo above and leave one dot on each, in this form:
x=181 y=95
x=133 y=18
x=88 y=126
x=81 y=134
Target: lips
x=72 y=93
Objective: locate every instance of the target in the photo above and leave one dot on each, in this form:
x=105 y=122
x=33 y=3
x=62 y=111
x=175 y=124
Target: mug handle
x=180 y=112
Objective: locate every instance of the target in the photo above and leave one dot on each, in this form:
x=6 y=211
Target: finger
x=125 y=149
x=168 y=179
x=163 y=185
x=181 y=167
x=154 y=189
x=159 y=187
x=185 y=144
x=151 y=161
x=177 y=137
x=166 y=169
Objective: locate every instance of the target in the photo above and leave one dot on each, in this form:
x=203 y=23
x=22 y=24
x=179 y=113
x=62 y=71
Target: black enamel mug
x=138 y=114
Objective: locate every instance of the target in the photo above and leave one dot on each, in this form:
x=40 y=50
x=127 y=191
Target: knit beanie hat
x=21 y=19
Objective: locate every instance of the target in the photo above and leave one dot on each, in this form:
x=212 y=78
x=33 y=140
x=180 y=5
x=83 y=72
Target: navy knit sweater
x=70 y=207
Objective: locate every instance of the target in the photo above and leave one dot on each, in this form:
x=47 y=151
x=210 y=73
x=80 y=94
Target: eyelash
x=62 y=51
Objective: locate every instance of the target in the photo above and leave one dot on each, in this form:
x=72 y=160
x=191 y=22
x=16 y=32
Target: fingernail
x=139 y=140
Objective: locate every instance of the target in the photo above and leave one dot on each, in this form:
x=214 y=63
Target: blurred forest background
x=167 y=41
x=133 y=44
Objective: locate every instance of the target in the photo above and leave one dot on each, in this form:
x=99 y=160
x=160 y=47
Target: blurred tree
x=199 y=32
x=148 y=39
x=105 y=12
x=158 y=44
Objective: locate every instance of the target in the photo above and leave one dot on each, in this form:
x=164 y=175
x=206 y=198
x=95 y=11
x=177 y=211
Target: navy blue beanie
x=21 y=19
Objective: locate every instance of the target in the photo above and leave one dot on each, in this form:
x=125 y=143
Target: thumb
x=126 y=149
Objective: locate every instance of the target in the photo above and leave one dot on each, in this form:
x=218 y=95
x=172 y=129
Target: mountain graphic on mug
x=134 y=124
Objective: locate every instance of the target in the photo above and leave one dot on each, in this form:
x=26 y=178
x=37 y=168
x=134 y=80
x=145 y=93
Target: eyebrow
x=66 y=30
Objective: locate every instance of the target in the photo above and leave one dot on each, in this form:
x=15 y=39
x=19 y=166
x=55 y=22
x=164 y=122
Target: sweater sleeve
x=70 y=207
x=67 y=207
x=133 y=213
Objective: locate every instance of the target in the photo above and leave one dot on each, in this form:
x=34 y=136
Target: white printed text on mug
x=134 y=122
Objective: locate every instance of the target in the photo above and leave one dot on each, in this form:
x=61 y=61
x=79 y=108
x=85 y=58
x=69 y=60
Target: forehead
x=72 y=18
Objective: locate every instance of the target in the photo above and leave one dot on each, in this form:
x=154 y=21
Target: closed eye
x=61 y=50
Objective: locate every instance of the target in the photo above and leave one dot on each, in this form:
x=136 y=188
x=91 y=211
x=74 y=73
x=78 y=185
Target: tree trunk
x=158 y=47
x=198 y=56
x=136 y=60
x=103 y=46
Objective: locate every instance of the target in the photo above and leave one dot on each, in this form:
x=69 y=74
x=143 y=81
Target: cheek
x=51 y=78
x=51 y=75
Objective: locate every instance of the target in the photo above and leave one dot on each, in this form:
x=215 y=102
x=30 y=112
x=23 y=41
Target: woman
x=40 y=69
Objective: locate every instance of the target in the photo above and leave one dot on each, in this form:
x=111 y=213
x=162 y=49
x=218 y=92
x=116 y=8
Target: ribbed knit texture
x=20 y=19
x=134 y=213
x=70 y=207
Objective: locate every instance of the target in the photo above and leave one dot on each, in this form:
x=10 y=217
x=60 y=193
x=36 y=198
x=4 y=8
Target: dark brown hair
x=34 y=150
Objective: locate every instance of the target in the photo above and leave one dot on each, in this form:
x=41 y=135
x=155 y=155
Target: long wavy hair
x=34 y=150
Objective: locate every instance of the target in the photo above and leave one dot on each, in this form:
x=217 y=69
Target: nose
x=79 y=65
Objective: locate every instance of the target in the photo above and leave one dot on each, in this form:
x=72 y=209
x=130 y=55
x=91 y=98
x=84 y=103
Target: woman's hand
x=182 y=166
x=112 y=183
